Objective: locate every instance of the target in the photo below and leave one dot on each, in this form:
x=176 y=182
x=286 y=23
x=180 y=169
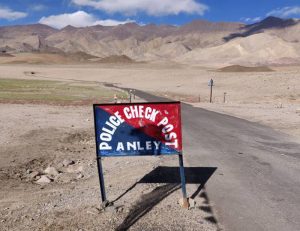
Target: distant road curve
x=257 y=182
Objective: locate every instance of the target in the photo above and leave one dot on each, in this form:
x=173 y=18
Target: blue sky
x=111 y=12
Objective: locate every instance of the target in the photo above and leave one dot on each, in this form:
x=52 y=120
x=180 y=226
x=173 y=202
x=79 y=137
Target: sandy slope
x=36 y=136
x=270 y=41
x=258 y=49
x=278 y=90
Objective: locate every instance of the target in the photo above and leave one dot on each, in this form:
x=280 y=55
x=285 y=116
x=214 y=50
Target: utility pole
x=211 y=84
x=130 y=95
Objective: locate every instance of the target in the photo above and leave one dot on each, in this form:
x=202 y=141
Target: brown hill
x=116 y=59
x=255 y=50
x=4 y=54
x=204 y=26
x=81 y=56
x=239 y=68
x=269 y=23
x=200 y=41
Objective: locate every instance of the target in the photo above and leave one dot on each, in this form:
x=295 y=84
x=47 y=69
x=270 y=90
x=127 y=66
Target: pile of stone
x=64 y=172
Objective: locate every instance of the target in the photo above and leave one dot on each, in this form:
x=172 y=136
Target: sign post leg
x=101 y=179
x=185 y=203
x=210 y=98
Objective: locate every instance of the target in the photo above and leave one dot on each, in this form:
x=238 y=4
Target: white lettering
x=148 y=145
x=139 y=146
x=175 y=143
x=120 y=146
x=104 y=146
x=147 y=112
x=153 y=115
x=131 y=146
x=164 y=121
x=167 y=128
x=119 y=117
x=170 y=136
x=156 y=143
x=134 y=111
x=105 y=137
x=141 y=112
x=126 y=112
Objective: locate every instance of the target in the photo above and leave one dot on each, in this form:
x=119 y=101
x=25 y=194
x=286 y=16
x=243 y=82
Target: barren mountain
x=271 y=41
x=257 y=49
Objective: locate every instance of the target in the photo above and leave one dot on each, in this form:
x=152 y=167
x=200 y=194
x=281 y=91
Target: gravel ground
x=66 y=195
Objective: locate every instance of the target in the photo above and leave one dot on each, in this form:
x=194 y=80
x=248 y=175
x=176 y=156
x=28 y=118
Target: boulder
x=67 y=162
x=51 y=171
x=33 y=174
x=43 y=180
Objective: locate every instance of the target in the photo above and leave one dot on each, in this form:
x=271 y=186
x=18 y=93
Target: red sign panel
x=138 y=129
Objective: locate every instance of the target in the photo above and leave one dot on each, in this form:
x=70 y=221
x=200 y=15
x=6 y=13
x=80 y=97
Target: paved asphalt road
x=257 y=182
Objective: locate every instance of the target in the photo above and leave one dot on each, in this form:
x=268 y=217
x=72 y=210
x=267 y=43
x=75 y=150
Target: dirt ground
x=273 y=98
x=281 y=117
x=36 y=136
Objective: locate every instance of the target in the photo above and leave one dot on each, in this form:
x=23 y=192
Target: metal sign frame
x=99 y=157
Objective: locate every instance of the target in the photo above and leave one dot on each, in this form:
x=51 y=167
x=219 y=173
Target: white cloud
x=39 y=7
x=111 y=22
x=8 y=14
x=251 y=20
x=150 y=7
x=78 y=19
x=285 y=11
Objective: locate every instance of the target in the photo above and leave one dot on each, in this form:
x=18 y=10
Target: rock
x=51 y=171
x=80 y=175
x=67 y=162
x=33 y=174
x=119 y=209
x=73 y=168
x=111 y=209
x=43 y=180
x=298 y=111
x=93 y=211
x=183 y=203
x=106 y=204
x=192 y=203
x=59 y=165
x=66 y=177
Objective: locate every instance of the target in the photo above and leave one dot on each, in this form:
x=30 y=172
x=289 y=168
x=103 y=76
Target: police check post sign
x=138 y=129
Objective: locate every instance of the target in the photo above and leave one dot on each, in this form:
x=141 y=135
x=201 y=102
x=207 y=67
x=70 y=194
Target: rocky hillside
x=271 y=41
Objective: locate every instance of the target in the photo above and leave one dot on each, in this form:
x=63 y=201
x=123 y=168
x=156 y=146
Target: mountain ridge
x=153 y=42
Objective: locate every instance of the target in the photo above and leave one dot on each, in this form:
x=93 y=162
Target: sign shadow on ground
x=170 y=178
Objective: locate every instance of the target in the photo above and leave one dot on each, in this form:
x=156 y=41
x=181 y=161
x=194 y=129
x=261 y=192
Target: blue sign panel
x=138 y=129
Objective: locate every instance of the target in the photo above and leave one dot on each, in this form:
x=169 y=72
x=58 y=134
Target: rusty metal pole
x=130 y=94
x=101 y=179
x=211 y=84
x=224 y=100
x=185 y=203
